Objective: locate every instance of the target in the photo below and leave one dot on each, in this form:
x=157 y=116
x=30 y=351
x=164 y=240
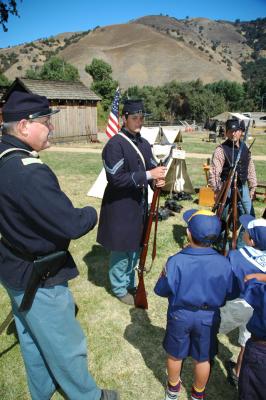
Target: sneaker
x=171 y=394
x=127 y=299
x=109 y=395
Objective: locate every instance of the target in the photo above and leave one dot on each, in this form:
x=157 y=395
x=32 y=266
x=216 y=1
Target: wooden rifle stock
x=221 y=200
x=140 y=296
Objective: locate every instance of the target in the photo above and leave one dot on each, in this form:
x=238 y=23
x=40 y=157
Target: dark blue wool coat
x=124 y=205
x=36 y=216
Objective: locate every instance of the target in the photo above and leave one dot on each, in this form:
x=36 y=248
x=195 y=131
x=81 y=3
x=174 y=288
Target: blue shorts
x=192 y=333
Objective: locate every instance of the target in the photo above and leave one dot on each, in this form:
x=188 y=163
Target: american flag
x=113 y=121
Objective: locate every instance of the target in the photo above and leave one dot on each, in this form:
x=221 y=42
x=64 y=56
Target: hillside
x=152 y=50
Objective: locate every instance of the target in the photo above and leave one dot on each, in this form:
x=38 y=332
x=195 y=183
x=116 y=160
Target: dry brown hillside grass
x=152 y=50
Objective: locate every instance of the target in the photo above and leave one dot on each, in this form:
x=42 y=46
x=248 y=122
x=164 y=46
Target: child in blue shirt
x=196 y=281
x=251 y=384
x=253 y=369
x=250 y=259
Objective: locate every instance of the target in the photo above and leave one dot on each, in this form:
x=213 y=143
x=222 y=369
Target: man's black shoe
x=109 y=395
x=127 y=299
x=132 y=291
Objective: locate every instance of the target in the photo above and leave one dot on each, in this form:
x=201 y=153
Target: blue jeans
x=122 y=271
x=244 y=192
x=53 y=345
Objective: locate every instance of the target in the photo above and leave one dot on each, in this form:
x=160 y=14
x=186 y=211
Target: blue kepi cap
x=23 y=105
x=203 y=225
x=256 y=229
x=133 y=107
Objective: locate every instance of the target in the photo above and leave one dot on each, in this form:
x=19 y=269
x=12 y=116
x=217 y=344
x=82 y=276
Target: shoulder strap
x=134 y=146
x=7 y=154
x=17 y=149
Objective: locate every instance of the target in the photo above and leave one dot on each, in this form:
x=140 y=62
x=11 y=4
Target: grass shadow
x=233 y=337
x=224 y=356
x=97 y=261
x=218 y=385
x=147 y=338
x=180 y=235
x=11 y=330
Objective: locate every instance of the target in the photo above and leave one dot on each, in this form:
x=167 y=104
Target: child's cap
x=256 y=229
x=203 y=225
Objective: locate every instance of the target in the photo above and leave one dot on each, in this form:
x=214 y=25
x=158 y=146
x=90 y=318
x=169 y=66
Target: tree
x=255 y=85
x=99 y=70
x=233 y=93
x=205 y=104
x=6 y=8
x=179 y=100
x=3 y=80
x=55 y=69
x=103 y=83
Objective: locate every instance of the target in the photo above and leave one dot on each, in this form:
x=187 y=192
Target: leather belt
x=204 y=307
x=258 y=340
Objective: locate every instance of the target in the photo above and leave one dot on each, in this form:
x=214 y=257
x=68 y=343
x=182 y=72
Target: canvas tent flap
x=227 y=115
x=98 y=188
x=177 y=177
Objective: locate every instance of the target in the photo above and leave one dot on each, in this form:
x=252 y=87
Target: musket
x=222 y=197
x=141 y=296
x=231 y=183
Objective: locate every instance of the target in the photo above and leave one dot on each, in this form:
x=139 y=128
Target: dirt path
x=98 y=151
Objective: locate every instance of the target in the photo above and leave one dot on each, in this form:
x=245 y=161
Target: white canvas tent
x=241 y=117
x=177 y=178
x=227 y=115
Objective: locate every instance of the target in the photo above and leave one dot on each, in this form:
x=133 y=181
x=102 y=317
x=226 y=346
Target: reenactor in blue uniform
x=37 y=223
x=197 y=280
x=129 y=167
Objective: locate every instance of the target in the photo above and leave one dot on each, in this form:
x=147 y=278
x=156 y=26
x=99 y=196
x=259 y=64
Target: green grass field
x=125 y=351
x=197 y=142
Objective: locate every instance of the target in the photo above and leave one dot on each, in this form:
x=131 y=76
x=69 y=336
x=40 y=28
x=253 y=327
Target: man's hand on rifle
x=252 y=192
x=159 y=183
x=158 y=172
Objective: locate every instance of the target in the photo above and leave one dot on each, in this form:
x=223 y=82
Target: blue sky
x=43 y=18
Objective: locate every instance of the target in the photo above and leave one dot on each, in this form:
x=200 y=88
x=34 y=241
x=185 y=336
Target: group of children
x=198 y=281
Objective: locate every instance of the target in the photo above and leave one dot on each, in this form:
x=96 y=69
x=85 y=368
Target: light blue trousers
x=122 y=271
x=244 y=192
x=53 y=345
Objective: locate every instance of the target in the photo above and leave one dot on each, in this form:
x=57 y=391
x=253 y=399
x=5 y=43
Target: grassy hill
x=151 y=50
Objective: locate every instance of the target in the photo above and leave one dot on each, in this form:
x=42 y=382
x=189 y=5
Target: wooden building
x=77 y=119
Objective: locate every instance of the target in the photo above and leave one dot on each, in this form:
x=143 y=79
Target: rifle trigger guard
x=139 y=270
